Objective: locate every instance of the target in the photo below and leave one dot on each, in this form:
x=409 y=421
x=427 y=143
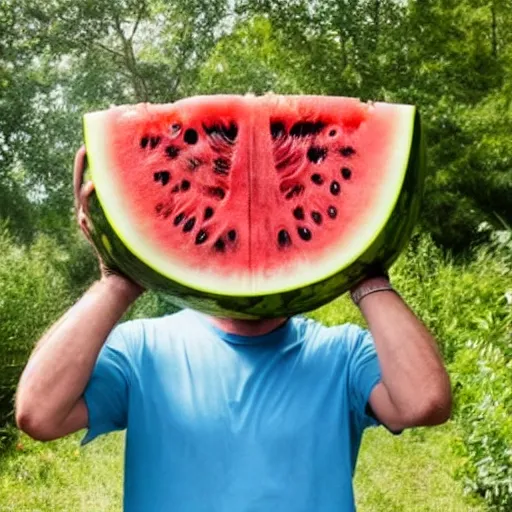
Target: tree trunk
x=494 y=29
x=138 y=82
x=376 y=23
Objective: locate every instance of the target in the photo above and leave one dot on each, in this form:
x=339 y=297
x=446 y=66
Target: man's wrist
x=370 y=285
x=121 y=287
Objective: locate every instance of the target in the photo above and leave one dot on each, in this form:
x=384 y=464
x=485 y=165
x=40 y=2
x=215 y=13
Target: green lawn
x=412 y=472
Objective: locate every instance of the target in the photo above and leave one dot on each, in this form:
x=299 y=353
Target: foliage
x=32 y=295
x=482 y=374
x=467 y=308
x=482 y=377
x=38 y=283
x=251 y=59
x=465 y=305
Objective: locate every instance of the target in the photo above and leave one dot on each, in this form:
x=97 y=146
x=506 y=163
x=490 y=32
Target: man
x=231 y=415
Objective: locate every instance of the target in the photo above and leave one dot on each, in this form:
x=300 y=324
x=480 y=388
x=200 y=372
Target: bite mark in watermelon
x=240 y=205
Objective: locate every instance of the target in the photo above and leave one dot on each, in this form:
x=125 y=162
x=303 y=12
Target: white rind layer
x=350 y=248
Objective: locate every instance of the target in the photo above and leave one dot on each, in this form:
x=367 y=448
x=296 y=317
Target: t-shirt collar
x=277 y=335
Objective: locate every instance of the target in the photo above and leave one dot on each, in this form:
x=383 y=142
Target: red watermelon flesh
x=249 y=195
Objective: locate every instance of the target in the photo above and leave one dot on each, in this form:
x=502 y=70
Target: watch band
x=369 y=286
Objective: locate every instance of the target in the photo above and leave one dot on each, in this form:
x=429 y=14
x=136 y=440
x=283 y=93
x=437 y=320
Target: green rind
x=383 y=251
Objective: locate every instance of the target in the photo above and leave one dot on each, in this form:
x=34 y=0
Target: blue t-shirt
x=218 y=422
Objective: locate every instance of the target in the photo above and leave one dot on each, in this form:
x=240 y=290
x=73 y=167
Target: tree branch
x=137 y=20
x=182 y=59
x=494 y=29
x=138 y=81
x=109 y=50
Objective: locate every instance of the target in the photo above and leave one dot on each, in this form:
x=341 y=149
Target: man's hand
x=82 y=192
x=415 y=388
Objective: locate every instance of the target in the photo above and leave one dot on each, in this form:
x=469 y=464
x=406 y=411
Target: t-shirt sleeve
x=106 y=394
x=363 y=373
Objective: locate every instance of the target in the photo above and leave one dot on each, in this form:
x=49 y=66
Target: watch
x=370 y=285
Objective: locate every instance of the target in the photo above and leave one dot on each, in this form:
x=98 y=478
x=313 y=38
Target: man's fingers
x=78 y=174
x=85 y=191
x=83 y=223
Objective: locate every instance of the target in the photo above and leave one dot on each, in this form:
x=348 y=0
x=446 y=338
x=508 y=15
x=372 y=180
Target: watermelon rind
x=385 y=238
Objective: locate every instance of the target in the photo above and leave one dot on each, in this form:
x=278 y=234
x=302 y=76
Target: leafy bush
x=482 y=374
x=37 y=284
x=32 y=295
x=482 y=377
x=465 y=305
x=450 y=296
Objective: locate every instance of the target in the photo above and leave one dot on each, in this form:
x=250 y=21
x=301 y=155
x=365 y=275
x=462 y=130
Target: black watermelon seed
x=277 y=129
x=283 y=238
x=347 y=151
x=219 y=245
x=218 y=192
x=194 y=163
x=175 y=128
x=346 y=173
x=185 y=185
x=175 y=189
x=162 y=176
x=178 y=219
x=231 y=132
x=317 y=217
x=189 y=225
x=332 y=133
x=290 y=159
x=154 y=141
x=317 y=179
x=332 y=212
x=221 y=166
x=335 y=188
x=208 y=212
x=228 y=133
x=165 y=177
x=306 y=128
x=232 y=235
x=304 y=233
x=201 y=237
x=298 y=213
x=190 y=136
x=172 y=151
x=296 y=190
x=144 y=142
x=316 y=154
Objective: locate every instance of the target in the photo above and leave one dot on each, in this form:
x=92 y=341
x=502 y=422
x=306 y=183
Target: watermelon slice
x=249 y=206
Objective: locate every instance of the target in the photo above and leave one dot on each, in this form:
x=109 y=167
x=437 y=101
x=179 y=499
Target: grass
x=411 y=472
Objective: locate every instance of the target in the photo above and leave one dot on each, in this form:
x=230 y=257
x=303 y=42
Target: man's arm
x=49 y=400
x=415 y=388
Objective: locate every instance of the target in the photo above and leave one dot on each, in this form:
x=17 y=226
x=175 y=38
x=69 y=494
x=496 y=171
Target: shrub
x=37 y=284
x=482 y=375
x=32 y=295
x=482 y=378
x=465 y=305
